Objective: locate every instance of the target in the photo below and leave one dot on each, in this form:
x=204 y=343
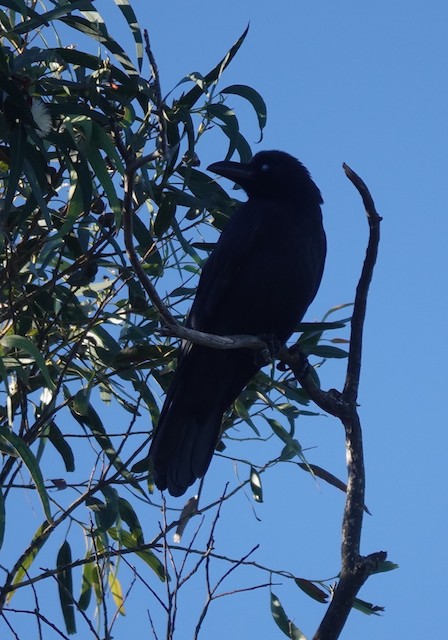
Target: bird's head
x=271 y=174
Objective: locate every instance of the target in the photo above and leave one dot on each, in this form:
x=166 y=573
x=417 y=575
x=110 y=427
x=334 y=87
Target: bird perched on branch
x=259 y=280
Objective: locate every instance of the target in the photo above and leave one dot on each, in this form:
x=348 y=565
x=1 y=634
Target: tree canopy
x=106 y=220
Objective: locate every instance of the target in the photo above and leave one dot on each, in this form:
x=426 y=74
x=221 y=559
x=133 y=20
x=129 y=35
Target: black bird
x=259 y=280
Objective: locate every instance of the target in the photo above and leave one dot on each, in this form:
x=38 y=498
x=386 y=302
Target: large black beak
x=239 y=172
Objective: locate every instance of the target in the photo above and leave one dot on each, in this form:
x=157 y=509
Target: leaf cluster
x=76 y=330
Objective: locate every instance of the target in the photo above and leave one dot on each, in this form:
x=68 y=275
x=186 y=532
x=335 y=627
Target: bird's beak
x=239 y=172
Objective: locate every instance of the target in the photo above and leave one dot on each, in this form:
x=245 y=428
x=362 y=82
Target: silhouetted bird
x=259 y=280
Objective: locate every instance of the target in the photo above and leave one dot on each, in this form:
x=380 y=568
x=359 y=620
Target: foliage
x=83 y=363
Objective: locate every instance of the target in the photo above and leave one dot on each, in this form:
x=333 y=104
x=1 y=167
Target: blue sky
x=363 y=85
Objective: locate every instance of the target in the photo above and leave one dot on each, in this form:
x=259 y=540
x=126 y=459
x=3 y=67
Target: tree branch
x=355 y=569
x=350 y=392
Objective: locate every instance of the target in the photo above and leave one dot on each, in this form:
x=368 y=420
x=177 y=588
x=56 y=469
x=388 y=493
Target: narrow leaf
x=117 y=593
x=146 y=555
x=194 y=94
x=255 y=99
x=282 y=620
x=321 y=473
x=86 y=588
x=324 y=351
x=38 y=542
x=129 y=516
x=65 y=586
x=128 y=12
x=62 y=447
x=22 y=343
x=311 y=590
x=2 y=519
x=32 y=465
x=255 y=483
x=367 y=607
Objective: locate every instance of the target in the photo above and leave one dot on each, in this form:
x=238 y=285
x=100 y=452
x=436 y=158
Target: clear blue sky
x=364 y=85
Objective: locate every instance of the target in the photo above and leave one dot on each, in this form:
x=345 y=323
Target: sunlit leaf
x=367 y=607
x=117 y=593
x=146 y=555
x=190 y=99
x=255 y=484
x=27 y=560
x=24 y=344
x=255 y=99
x=87 y=579
x=283 y=622
x=128 y=12
x=30 y=461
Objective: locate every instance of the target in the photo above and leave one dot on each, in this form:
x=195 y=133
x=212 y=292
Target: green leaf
x=225 y=114
x=93 y=25
x=2 y=519
x=322 y=326
x=128 y=12
x=312 y=590
x=337 y=308
x=105 y=514
x=61 y=445
x=86 y=415
x=24 y=344
x=31 y=464
x=117 y=592
x=367 y=607
x=190 y=98
x=386 y=566
x=98 y=164
x=129 y=516
x=38 y=542
x=255 y=483
x=283 y=622
x=324 y=351
x=165 y=215
x=16 y=162
x=255 y=99
x=65 y=586
x=87 y=580
x=128 y=540
x=101 y=139
x=36 y=20
x=111 y=497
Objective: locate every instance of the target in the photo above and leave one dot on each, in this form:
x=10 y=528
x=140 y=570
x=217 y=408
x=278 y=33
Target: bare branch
x=163 y=142
x=350 y=392
x=355 y=569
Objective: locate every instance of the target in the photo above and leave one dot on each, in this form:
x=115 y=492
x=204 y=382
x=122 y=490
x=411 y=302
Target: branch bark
x=355 y=568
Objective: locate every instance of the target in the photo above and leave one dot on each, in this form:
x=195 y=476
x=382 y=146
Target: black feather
x=260 y=279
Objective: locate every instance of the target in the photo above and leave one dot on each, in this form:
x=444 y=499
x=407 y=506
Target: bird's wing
x=222 y=268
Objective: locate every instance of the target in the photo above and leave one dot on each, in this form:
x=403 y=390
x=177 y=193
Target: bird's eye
x=265 y=168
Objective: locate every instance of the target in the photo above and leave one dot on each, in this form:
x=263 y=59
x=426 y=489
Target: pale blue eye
x=265 y=167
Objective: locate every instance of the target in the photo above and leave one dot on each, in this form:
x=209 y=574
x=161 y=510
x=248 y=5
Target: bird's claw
x=269 y=351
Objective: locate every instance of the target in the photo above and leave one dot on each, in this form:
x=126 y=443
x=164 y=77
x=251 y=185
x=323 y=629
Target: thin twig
x=163 y=140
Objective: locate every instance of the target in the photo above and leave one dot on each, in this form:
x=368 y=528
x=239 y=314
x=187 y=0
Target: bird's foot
x=297 y=362
x=267 y=354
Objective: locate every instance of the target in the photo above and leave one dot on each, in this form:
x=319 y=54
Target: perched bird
x=259 y=280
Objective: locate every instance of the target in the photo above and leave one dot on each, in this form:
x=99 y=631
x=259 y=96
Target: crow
x=259 y=280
